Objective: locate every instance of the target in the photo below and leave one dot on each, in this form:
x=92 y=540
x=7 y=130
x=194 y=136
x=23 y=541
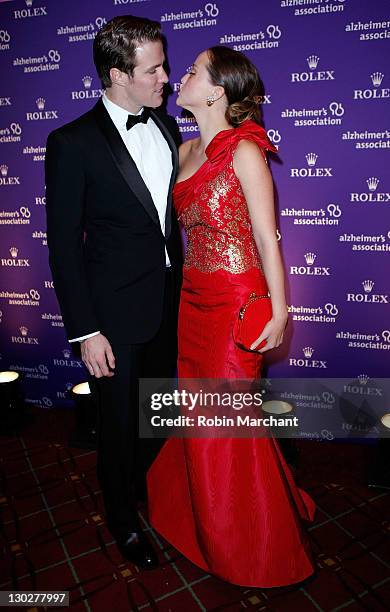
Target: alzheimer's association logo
x=13 y=133
x=5 y=39
x=274 y=136
x=203 y=17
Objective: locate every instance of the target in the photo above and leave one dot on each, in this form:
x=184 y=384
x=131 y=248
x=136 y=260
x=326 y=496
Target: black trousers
x=123 y=458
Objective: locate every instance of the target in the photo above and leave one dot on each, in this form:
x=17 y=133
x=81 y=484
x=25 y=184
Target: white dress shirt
x=153 y=158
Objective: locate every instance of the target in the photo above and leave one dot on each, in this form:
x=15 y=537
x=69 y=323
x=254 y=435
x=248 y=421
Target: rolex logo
x=41 y=114
x=3 y=170
x=368 y=285
x=311 y=159
x=310 y=258
x=312 y=61
x=87 y=80
x=372 y=183
x=86 y=93
x=312 y=74
x=67 y=361
x=307 y=361
x=24 y=338
x=40 y=103
x=377 y=78
x=30 y=12
x=309 y=269
x=13 y=260
x=308 y=351
x=363 y=379
x=367 y=297
x=374 y=92
x=311 y=171
x=372 y=195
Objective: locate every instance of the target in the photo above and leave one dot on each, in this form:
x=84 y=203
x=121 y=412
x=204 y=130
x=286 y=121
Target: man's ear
x=118 y=77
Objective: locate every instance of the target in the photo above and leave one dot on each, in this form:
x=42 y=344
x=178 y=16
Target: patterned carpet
x=53 y=536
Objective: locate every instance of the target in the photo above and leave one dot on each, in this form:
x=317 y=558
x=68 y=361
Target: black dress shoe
x=137 y=549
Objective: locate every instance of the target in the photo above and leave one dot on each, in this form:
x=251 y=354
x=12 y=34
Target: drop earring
x=210 y=100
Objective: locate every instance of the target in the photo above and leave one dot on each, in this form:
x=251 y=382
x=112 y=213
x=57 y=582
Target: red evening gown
x=230 y=505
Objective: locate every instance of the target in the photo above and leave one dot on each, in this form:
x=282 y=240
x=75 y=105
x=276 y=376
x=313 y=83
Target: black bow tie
x=132 y=120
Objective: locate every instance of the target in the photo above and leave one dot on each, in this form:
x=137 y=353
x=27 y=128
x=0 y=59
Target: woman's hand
x=256 y=182
x=272 y=333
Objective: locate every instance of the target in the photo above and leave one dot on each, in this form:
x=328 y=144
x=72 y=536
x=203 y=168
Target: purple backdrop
x=325 y=68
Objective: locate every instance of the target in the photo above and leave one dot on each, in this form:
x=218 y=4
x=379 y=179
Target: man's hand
x=96 y=353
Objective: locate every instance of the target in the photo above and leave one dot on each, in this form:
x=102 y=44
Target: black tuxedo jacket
x=106 y=247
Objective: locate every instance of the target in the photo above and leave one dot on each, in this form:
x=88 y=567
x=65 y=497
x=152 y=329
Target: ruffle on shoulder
x=224 y=143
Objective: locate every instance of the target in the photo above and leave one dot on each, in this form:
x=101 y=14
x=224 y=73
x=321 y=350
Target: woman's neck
x=209 y=126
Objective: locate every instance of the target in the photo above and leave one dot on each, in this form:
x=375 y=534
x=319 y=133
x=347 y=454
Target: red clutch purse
x=251 y=320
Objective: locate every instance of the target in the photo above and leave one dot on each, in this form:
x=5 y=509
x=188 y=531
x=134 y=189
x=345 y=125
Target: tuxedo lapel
x=175 y=165
x=124 y=161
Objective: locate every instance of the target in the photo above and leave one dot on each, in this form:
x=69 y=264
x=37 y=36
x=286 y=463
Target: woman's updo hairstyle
x=244 y=90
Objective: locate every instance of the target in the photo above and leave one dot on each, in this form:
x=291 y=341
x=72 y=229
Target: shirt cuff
x=84 y=337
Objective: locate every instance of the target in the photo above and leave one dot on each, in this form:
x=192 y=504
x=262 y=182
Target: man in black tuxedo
x=115 y=254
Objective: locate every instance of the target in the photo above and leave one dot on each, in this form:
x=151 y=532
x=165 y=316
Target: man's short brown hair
x=116 y=43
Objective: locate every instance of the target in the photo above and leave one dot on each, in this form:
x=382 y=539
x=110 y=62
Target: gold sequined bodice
x=218 y=226
x=212 y=207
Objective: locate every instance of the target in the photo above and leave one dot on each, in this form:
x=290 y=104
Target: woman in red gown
x=228 y=504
